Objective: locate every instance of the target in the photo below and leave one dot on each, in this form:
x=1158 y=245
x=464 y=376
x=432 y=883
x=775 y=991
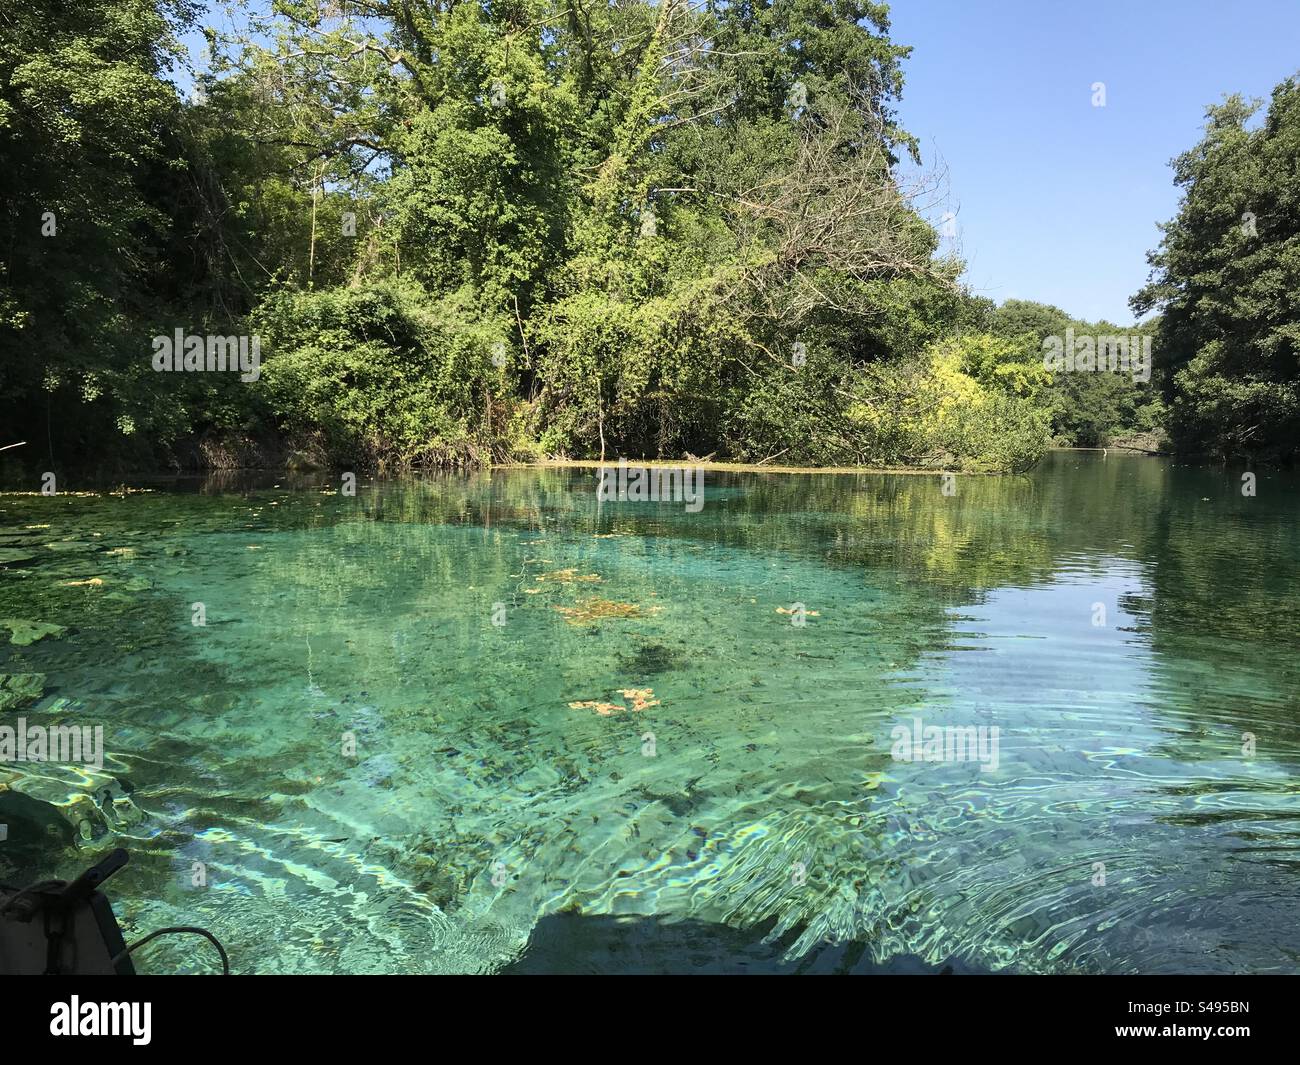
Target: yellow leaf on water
x=604 y=709
x=640 y=700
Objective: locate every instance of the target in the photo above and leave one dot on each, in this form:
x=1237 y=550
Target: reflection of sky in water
x=478 y=801
x=1096 y=767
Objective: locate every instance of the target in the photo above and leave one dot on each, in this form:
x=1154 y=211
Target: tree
x=1226 y=275
x=467 y=231
x=89 y=147
x=1086 y=409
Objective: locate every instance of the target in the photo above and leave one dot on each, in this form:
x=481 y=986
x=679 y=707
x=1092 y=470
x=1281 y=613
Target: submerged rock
x=116 y=806
x=35 y=827
x=652 y=658
x=64 y=811
x=19 y=689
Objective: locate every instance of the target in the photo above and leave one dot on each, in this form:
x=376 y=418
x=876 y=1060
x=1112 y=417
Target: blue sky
x=1058 y=200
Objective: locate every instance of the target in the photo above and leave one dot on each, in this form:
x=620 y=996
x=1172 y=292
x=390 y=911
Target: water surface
x=1124 y=623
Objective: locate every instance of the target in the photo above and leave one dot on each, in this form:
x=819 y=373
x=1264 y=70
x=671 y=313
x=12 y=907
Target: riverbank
x=727 y=467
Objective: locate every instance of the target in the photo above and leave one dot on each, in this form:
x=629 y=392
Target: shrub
x=384 y=377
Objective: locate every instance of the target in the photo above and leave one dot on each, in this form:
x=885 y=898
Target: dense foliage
x=468 y=232
x=1227 y=278
x=1088 y=409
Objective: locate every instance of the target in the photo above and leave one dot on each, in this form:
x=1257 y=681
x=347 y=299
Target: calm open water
x=366 y=760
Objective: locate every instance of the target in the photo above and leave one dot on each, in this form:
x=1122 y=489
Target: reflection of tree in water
x=362 y=604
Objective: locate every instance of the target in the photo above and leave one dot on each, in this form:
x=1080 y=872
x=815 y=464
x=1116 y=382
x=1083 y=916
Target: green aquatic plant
x=23 y=633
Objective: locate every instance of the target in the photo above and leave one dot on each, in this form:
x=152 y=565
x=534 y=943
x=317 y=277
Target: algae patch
x=596 y=609
x=22 y=633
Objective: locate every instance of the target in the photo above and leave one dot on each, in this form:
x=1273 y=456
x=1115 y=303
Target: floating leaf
x=604 y=709
x=640 y=700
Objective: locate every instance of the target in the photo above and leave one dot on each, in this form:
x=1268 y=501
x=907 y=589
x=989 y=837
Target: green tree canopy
x=1226 y=275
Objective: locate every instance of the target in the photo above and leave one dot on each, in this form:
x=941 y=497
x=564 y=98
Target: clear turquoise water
x=479 y=808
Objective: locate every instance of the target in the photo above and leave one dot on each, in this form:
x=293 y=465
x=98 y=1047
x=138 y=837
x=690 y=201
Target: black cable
x=225 y=961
